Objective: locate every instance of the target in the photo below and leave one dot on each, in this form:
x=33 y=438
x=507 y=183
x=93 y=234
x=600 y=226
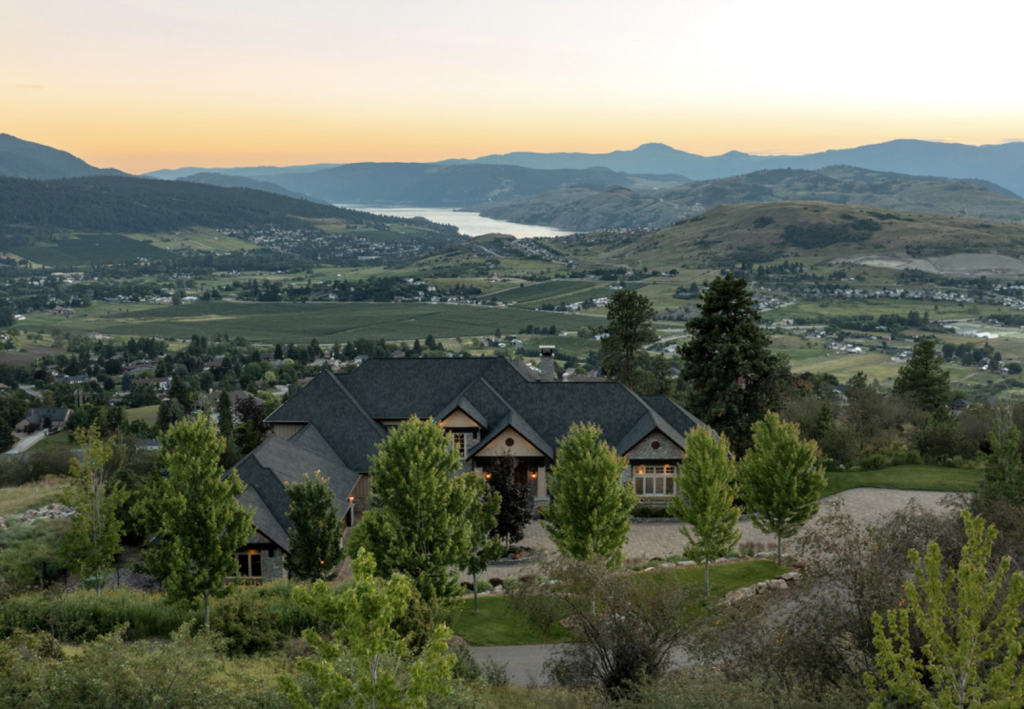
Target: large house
x=490 y=406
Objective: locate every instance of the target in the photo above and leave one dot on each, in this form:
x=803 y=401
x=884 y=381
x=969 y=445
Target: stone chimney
x=547 y=363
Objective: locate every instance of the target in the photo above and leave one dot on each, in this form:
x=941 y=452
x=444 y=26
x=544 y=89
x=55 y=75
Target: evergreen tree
x=970 y=619
x=733 y=378
x=516 y=505
x=706 y=489
x=588 y=518
x=781 y=479
x=315 y=536
x=422 y=512
x=194 y=516
x=630 y=315
x=94 y=538
x=924 y=379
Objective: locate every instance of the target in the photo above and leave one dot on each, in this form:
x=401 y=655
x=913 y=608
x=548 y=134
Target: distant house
x=489 y=406
x=959 y=404
x=38 y=418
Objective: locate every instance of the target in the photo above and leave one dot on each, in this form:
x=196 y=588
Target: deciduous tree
x=315 y=536
x=781 y=479
x=367 y=663
x=970 y=619
x=630 y=315
x=588 y=518
x=706 y=489
x=94 y=539
x=193 y=515
x=485 y=546
x=421 y=517
x=733 y=377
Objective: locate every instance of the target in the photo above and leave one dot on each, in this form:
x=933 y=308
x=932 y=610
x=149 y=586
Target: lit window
x=654 y=480
x=459 y=441
x=250 y=565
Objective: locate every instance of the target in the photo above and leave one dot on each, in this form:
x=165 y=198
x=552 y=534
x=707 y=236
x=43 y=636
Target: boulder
x=790 y=576
x=777 y=585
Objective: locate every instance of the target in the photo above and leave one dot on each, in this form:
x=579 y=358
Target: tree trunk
x=206 y=611
x=707 y=576
x=476 y=605
x=778 y=556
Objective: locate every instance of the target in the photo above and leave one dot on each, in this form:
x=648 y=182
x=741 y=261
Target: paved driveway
x=27 y=442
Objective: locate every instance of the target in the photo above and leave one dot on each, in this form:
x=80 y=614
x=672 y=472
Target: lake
x=468 y=223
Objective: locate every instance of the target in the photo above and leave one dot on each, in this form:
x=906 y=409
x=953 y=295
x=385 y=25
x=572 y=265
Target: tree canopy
x=732 y=376
x=315 y=537
x=924 y=379
x=629 y=328
x=588 y=518
x=422 y=512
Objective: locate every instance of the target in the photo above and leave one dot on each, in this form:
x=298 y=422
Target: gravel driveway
x=661 y=540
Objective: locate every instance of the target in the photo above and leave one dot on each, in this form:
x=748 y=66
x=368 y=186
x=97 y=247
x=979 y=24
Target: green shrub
x=642 y=512
x=484 y=586
x=875 y=461
x=28 y=555
x=510 y=584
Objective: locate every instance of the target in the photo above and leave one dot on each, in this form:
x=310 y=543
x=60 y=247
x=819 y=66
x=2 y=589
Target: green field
x=197 y=239
x=907 y=477
x=496 y=626
x=87 y=249
x=299 y=322
x=144 y=413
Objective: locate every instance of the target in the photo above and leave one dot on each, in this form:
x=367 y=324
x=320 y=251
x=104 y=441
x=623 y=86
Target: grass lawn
x=14 y=500
x=907 y=477
x=496 y=626
x=59 y=439
x=144 y=413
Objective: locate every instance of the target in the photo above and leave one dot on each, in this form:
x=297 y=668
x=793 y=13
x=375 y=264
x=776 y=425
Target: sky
x=147 y=84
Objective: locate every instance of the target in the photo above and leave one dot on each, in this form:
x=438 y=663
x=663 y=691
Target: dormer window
x=459 y=442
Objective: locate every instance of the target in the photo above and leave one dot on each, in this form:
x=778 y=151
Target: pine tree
x=706 y=489
x=94 y=539
x=733 y=376
x=193 y=515
x=422 y=512
x=588 y=518
x=924 y=379
x=630 y=315
x=315 y=536
x=781 y=479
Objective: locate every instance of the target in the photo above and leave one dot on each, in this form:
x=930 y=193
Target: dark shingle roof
x=278 y=462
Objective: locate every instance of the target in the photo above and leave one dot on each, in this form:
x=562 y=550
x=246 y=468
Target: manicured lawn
x=907 y=477
x=144 y=413
x=496 y=626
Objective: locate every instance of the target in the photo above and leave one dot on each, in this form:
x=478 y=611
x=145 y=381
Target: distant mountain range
x=1001 y=164
x=583 y=209
x=21 y=158
x=220 y=180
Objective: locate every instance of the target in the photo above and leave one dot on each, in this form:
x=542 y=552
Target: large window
x=250 y=565
x=654 y=480
x=459 y=439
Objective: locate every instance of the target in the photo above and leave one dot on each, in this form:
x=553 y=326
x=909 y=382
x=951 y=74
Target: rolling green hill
x=814 y=231
x=591 y=208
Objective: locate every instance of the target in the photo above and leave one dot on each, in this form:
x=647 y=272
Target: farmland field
x=299 y=322
x=88 y=249
x=198 y=239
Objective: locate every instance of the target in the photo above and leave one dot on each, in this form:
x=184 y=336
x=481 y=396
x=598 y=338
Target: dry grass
x=14 y=500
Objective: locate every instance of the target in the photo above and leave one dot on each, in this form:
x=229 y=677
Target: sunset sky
x=147 y=84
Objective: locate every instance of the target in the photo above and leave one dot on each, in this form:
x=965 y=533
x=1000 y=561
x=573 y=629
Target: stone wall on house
x=273 y=566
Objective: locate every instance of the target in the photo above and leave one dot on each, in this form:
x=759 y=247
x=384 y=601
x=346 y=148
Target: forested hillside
x=137 y=205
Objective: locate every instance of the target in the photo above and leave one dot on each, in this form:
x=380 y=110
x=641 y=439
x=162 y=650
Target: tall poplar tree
x=94 y=539
x=193 y=515
x=422 y=512
x=733 y=378
x=315 y=537
x=588 y=518
x=706 y=489
x=781 y=479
